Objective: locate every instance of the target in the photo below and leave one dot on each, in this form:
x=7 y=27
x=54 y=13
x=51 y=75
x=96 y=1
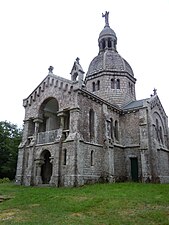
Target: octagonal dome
x=109 y=61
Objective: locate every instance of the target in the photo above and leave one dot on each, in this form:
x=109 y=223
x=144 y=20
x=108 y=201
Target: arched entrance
x=46 y=168
x=50 y=122
x=48 y=113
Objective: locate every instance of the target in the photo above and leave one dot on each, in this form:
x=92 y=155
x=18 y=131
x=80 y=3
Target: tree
x=10 y=137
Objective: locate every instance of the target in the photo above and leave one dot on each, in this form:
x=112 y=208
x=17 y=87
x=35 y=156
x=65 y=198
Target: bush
x=4 y=180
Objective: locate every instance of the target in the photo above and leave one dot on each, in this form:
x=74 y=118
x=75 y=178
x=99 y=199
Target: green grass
x=99 y=204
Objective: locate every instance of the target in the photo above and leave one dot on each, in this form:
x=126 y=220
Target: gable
x=49 y=82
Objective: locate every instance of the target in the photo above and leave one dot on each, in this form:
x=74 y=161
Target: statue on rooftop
x=106 y=15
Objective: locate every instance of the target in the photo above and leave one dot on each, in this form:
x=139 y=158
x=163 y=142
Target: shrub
x=4 y=180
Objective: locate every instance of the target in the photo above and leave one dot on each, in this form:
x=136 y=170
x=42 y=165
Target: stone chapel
x=90 y=128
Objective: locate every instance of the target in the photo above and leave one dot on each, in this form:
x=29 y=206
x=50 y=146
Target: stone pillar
x=106 y=42
x=21 y=154
x=19 y=170
x=144 y=148
x=54 y=177
x=108 y=163
x=73 y=127
x=25 y=133
x=37 y=122
x=38 y=178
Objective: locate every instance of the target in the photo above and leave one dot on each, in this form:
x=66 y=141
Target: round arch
x=48 y=113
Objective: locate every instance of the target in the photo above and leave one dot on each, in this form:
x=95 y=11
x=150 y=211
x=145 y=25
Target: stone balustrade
x=47 y=136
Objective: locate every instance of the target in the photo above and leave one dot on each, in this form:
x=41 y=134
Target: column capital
x=76 y=109
x=38 y=120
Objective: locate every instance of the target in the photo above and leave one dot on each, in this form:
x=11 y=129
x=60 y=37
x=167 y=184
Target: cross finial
x=106 y=15
x=155 y=91
x=50 y=69
x=77 y=60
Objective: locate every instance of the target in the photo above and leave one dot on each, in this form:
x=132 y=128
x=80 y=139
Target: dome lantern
x=107 y=38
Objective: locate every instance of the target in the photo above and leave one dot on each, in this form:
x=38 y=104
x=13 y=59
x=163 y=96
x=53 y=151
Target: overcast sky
x=38 y=33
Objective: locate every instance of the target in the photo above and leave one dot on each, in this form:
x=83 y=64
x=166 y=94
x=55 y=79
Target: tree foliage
x=10 y=137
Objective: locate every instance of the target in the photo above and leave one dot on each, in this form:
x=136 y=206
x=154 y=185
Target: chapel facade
x=91 y=128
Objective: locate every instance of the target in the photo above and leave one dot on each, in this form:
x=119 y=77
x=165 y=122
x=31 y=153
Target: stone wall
x=115 y=96
x=129 y=126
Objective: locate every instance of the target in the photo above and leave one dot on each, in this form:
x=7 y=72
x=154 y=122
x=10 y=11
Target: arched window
x=118 y=83
x=98 y=85
x=109 y=43
x=116 y=135
x=93 y=86
x=104 y=44
x=91 y=123
x=74 y=77
x=92 y=158
x=161 y=135
x=64 y=156
x=157 y=130
x=129 y=87
x=111 y=128
x=113 y=83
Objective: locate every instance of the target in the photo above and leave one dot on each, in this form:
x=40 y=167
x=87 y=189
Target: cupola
x=107 y=38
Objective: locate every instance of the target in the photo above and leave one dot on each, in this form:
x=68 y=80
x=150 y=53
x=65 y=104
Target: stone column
x=106 y=42
x=21 y=154
x=38 y=178
x=37 y=122
x=19 y=170
x=54 y=177
x=73 y=127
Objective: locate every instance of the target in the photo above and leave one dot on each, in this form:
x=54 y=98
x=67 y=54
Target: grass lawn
x=99 y=204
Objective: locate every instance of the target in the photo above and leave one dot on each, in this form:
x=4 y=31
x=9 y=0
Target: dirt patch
x=4 y=198
x=8 y=215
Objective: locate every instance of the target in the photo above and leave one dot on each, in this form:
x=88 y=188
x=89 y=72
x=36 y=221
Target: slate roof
x=135 y=104
x=109 y=61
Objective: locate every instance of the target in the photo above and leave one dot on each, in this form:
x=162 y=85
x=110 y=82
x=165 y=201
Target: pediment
x=50 y=81
x=156 y=103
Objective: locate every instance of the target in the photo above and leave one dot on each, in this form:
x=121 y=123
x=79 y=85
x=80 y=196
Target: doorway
x=46 y=169
x=134 y=169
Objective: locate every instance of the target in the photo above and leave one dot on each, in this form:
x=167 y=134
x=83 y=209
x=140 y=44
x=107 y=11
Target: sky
x=35 y=34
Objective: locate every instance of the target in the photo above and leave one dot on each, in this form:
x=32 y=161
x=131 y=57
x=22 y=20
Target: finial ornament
x=155 y=91
x=50 y=69
x=77 y=60
x=106 y=15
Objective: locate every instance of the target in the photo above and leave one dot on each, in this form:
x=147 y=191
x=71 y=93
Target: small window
x=118 y=84
x=109 y=43
x=94 y=86
x=91 y=123
x=98 y=85
x=113 y=83
x=74 y=77
x=66 y=120
x=161 y=135
x=116 y=130
x=129 y=87
x=92 y=158
x=104 y=44
x=157 y=130
x=111 y=128
x=64 y=156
